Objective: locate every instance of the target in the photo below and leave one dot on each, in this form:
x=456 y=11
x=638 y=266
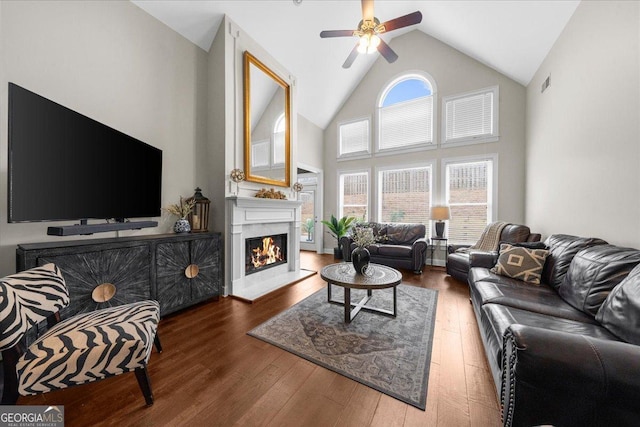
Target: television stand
x=177 y=270
x=83 y=228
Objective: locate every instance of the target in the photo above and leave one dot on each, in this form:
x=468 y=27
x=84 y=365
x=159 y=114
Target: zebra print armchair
x=85 y=348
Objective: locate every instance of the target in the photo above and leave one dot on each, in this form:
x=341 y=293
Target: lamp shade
x=440 y=213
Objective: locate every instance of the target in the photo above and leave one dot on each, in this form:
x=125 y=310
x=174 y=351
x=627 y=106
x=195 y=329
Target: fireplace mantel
x=253 y=217
x=256 y=202
x=253 y=210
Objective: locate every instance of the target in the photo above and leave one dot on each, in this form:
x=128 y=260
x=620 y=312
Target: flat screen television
x=66 y=166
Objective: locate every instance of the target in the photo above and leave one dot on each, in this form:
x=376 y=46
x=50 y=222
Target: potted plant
x=308 y=226
x=338 y=228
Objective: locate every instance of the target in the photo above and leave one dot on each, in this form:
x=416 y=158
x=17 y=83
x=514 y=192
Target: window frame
x=492 y=198
x=358 y=154
x=340 y=192
x=479 y=139
x=379 y=171
x=407 y=75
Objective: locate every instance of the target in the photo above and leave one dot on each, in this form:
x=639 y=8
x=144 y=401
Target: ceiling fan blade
x=403 y=21
x=387 y=52
x=351 y=57
x=367 y=10
x=336 y=33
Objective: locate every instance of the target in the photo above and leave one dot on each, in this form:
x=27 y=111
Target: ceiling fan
x=368 y=33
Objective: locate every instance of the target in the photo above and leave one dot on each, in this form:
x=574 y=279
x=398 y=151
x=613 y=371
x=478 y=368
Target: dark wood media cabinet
x=177 y=270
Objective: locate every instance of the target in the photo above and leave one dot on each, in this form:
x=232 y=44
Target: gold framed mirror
x=267 y=125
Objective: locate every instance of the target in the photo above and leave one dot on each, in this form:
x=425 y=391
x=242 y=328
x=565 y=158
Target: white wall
x=583 y=132
x=116 y=64
x=453 y=72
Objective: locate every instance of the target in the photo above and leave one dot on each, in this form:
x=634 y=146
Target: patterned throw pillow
x=520 y=263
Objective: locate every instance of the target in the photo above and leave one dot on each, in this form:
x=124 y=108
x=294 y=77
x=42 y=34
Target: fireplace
x=265 y=252
x=252 y=217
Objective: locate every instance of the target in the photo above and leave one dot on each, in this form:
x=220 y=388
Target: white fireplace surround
x=255 y=217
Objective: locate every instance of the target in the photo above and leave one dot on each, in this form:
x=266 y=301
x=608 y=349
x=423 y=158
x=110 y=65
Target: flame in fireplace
x=267 y=254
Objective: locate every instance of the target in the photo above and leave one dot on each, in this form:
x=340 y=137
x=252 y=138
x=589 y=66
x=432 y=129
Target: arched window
x=278 y=141
x=405 y=112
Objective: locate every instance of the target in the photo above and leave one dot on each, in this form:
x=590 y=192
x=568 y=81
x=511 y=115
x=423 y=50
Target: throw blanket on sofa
x=490 y=238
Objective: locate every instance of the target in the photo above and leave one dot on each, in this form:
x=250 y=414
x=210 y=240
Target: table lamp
x=440 y=213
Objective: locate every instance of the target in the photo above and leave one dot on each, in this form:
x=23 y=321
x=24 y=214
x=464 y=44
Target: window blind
x=260 y=154
x=354 y=195
x=406 y=123
x=278 y=148
x=470 y=117
x=468 y=193
x=354 y=137
x=405 y=195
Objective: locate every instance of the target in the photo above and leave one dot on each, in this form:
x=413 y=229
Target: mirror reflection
x=267 y=125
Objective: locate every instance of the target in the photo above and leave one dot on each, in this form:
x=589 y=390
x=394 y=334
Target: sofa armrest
x=421 y=245
x=419 y=251
x=452 y=248
x=483 y=259
x=566 y=379
x=534 y=237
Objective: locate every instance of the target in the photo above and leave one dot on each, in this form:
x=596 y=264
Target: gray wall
x=583 y=132
x=211 y=156
x=453 y=72
x=310 y=143
x=114 y=63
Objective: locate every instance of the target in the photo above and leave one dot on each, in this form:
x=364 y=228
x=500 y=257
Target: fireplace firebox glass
x=265 y=252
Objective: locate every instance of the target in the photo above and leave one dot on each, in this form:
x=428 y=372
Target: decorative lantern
x=199 y=216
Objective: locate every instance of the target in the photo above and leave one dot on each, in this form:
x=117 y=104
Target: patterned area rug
x=391 y=355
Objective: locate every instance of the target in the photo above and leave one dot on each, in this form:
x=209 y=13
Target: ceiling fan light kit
x=368 y=43
x=368 y=32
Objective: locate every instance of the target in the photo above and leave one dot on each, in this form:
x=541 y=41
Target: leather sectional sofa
x=401 y=245
x=458 y=262
x=565 y=352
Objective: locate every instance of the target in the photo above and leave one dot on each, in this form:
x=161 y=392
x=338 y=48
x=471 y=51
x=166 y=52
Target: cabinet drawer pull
x=191 y=271
x=103 y=292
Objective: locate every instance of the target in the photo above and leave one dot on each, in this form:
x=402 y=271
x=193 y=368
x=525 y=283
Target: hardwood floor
x=212 y=373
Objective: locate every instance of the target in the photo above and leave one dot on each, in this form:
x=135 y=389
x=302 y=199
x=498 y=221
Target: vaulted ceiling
x=512 y=37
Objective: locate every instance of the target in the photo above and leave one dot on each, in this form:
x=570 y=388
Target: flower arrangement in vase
x=181 y=211
x=362 y=237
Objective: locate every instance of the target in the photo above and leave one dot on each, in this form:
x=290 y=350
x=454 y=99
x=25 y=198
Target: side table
x=439 y=241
